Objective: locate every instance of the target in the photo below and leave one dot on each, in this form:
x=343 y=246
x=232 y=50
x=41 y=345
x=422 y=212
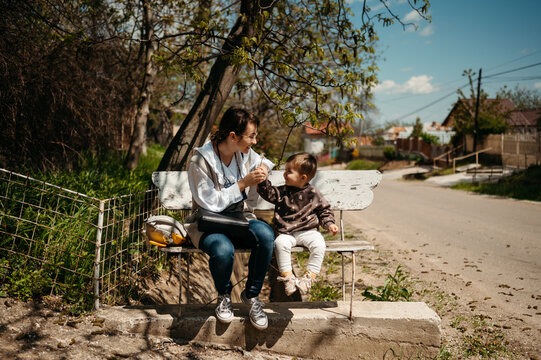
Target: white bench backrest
x=344 y=189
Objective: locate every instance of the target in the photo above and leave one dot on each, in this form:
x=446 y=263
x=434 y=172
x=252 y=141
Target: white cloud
x=427 y=31
x=415 y=85
x=537 y=85
x=412 y=16
x=419 y=85
x=386 y=86
x=408 y=68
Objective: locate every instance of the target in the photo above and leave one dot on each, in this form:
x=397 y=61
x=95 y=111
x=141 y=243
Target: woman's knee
x=218 y=247
x=263 y=233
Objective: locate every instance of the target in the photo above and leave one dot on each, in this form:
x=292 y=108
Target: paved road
x=493 y=244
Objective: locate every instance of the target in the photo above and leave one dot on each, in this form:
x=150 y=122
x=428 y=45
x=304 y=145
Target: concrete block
x=320 y=330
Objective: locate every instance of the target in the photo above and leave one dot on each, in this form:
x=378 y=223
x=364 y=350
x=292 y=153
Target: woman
x=220 y=173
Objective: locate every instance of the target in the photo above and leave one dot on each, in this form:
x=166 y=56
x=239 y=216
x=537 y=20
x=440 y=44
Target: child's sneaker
x=289 y=283
x=305 y=283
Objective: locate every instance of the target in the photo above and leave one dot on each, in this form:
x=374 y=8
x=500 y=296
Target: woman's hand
x=265 y=169
x=253 y=178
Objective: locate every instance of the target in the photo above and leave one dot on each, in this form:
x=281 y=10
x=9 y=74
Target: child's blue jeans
x=221 y=250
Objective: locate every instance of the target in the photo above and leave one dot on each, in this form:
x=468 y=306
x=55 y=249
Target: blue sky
x=424 y=66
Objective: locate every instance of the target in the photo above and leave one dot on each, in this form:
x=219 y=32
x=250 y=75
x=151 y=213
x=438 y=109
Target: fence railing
x=476 y=154
x=66 y=243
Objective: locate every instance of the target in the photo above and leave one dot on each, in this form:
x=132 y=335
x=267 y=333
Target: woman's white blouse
x=202 y=186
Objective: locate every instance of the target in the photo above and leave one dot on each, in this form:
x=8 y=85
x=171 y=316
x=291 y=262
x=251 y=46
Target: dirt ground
x=40 y=330
x=470 y=330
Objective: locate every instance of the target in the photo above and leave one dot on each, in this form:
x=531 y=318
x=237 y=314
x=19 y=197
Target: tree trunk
x=210 y=101
x=137 y=143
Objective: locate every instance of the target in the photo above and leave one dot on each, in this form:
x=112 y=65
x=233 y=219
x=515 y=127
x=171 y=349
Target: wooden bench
x=346 y=190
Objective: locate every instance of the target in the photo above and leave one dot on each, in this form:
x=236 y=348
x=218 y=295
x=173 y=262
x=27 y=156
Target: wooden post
x=476 y=124
x=97 y=256
x=518 y=151
x=502 y=139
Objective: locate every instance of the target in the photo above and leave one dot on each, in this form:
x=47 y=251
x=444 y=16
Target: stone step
x=314 y=330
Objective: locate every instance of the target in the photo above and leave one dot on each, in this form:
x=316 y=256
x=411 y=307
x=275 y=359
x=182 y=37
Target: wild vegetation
x=525 y=185
x=60 y=231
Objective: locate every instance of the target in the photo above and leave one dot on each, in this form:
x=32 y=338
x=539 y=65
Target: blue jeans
x=221 y=250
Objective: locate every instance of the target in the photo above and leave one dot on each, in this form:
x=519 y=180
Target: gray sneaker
x=258 y=317
x=224 y=310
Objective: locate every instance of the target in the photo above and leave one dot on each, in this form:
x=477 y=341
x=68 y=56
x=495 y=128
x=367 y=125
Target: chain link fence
x=60 y=242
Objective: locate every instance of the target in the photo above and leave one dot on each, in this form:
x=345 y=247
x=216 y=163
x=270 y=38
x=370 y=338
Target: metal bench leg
x=188 y=292
x=179 y=286
x=343 y=279
x=342 y=255
x=352 y=286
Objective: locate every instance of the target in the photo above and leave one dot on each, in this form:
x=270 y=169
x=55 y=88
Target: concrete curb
x=319 y=330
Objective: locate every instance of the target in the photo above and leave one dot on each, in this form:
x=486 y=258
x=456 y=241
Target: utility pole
x=475 y=123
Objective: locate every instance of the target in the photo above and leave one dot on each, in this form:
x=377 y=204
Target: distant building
x=443 y=133
x=315 y=140
x=520 y=121
x=395 y=132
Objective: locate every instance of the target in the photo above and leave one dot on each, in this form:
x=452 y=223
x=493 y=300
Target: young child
x=299 y=210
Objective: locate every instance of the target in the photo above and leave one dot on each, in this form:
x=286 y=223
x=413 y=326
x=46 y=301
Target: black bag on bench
x=230 y=222
x=224 y=222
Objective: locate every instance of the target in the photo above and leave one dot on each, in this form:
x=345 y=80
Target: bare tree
x=143 y=109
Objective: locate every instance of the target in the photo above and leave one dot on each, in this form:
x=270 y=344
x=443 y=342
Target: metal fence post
x=98 y=255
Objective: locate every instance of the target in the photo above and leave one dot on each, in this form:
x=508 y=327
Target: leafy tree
x=491 y=116
x=429 y=138
x=417 y=130
x=103 y=67
x=522 y=97
x=306 y=58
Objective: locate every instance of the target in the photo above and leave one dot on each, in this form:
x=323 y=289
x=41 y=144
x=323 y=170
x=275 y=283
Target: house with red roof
x=520 y=121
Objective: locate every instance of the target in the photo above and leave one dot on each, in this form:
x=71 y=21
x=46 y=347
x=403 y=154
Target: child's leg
x=315 y=243
x=313 y=240
x=282 y=249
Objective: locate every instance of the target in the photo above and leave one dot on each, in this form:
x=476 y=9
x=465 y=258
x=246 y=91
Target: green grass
x=103 y=175
x=363 y=165
x=525 y=185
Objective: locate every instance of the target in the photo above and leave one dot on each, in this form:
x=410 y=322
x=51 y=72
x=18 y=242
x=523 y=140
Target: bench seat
x=348 y=190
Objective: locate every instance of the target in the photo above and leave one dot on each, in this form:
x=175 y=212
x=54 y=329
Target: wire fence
x=61 y=242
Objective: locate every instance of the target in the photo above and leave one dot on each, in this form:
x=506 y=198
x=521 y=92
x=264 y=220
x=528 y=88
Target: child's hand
x=333 y=229
x=255 y=177
x=264 y=169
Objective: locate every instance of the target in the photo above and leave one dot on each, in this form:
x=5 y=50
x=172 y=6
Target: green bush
x=102 y=174
x=389 y=152
x=430 y=139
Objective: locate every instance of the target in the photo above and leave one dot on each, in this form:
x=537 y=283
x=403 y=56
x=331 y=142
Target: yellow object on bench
x=164 y=231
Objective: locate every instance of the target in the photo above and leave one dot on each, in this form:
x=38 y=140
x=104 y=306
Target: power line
x=517 y=59
x=513 y=70
x=454 y=91
x=430 y=104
